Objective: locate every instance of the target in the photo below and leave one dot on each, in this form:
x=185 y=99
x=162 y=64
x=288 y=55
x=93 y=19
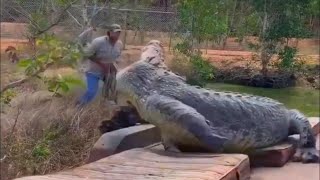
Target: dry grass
x=42 y=134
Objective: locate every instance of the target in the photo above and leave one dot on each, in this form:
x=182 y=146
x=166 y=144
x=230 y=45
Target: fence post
x=142 y=32
x=125 y=30
x=172 y=30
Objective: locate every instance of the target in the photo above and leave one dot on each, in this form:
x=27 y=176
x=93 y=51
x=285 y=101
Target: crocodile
x=191 y=118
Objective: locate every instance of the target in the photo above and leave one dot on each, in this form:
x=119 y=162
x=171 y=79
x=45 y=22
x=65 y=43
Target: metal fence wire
x=140 y=25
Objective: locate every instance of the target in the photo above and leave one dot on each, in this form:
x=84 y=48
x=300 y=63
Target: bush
x=287 y=57
x=197 y=70
x=288 y=60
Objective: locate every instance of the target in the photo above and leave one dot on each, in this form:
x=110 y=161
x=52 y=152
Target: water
x=305 y=100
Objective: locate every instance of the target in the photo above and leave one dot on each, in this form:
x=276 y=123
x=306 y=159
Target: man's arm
x=90 y=53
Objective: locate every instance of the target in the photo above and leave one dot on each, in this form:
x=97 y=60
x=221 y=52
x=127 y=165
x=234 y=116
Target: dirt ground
x=217 y=57
x=308 y=51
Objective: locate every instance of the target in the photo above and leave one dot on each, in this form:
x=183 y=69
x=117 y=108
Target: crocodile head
x=133 y=94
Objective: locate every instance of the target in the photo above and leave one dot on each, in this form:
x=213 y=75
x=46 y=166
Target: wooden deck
x=153 y=163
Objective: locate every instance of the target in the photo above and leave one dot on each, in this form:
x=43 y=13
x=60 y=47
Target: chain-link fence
x=139 y=25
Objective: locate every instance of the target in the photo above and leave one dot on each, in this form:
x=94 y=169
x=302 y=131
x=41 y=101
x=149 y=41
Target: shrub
x=197 y=70
x=288 y=60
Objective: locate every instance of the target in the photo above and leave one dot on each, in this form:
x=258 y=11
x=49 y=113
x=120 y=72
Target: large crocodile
x=191 y=118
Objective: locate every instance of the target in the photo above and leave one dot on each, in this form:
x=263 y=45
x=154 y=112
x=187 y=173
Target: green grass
x=305 y=100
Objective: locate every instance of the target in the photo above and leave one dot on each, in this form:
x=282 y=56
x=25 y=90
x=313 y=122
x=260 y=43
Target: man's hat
x=115 y=28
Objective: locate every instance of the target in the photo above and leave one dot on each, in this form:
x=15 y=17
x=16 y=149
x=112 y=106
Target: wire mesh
x=139 y=24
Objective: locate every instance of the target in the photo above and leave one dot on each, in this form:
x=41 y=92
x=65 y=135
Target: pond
x=305 y=100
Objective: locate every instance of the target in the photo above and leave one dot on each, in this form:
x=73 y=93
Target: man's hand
x=106 y=68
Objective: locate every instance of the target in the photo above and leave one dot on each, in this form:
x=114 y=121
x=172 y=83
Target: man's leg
x=92 y=89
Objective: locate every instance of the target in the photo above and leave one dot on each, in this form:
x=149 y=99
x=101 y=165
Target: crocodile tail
x=299 y=124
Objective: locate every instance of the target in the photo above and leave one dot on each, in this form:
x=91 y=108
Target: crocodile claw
x=306 y=155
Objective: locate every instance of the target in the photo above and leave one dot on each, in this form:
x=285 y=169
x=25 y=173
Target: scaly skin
x=196 y=119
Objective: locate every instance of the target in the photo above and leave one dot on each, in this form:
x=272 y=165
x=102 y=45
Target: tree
x=43 y=16
x=204 y=19
x=280 y=20
x=51 y=51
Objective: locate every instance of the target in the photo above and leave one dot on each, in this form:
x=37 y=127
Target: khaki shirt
x=102 y=48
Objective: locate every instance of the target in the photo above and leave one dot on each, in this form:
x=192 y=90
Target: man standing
x=102 y=54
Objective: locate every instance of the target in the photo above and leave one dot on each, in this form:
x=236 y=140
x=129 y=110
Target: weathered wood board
x=154 y=163
x=291 y=170
x=279 y=155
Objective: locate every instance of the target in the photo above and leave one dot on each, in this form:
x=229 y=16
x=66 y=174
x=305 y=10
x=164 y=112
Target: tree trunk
x=266 y=46
x=264 y=62
x=230 y=25
x=85 y=14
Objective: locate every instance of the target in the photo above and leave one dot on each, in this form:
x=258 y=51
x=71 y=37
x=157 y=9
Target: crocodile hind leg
x=306 y=151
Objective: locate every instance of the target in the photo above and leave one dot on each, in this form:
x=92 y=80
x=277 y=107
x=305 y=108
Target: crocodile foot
x=168 y=145
x=306 y=155
x=172 y=149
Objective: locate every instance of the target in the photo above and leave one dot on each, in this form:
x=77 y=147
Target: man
x=103 y=52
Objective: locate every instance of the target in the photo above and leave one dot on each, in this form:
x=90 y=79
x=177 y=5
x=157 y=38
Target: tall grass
x=41 y=134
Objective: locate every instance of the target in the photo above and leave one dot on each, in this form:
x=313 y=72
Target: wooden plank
x=279 y=155
x=154 y=163
x=292 y=170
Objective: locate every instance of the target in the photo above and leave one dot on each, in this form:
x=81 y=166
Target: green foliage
x=287 y=57
x=41 y=151
x=285 y=18
x=314 y=7
x=7 y=96
x=197 y=70
x=183 y=47
x=289 y=61
x=63 y=83
x=205 y=19
x=39 y=21
x=281 y=20
x=202 y=67
x=246 y=21
x=53 y=52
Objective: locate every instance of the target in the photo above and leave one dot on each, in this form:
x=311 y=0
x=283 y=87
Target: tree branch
x=70 y=14
x=58 y=20
x=21 y=81
x=34 y=23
